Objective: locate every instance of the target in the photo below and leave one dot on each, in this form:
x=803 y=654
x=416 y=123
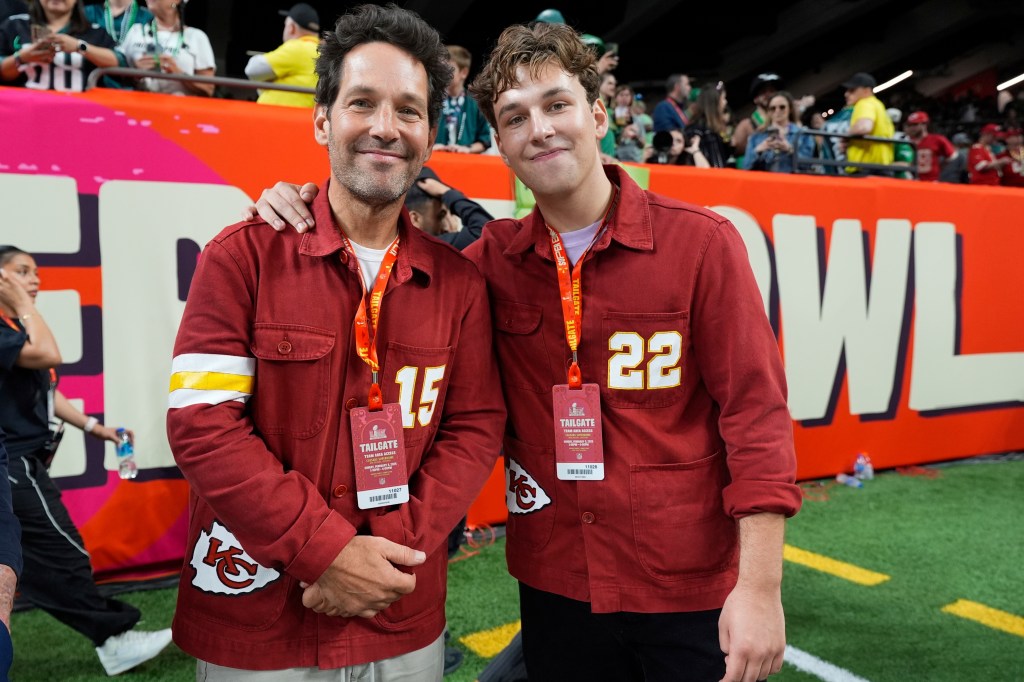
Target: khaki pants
x=423 y=665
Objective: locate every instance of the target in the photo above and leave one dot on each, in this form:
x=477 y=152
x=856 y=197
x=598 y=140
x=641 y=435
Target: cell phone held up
x=40 y=32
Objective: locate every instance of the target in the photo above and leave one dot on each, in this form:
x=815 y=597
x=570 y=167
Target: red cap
x=917 y=117
x=990 y=128
x=1013 y=132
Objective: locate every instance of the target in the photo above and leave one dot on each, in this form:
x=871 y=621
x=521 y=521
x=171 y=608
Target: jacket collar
x=630 y=223
x=326 y=240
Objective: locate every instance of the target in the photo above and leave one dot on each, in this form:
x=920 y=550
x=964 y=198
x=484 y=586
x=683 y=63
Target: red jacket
x=1013 y=172
x=264 y=375
x=682 y=463
x=980 y=154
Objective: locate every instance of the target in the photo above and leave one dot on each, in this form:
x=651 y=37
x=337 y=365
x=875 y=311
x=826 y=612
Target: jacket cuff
x=322 y=548
x=744 y=498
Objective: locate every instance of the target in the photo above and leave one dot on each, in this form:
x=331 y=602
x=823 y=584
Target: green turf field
x=933 y=537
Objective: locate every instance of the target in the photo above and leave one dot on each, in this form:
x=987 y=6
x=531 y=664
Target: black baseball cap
x=860 y=80
x=765 y=80
x=304 y=15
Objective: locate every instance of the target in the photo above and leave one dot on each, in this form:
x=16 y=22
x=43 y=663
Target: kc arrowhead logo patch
x=522 y=494
x=223 y=567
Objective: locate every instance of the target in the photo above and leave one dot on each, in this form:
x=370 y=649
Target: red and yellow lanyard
x=570 y=284
x=366 y=325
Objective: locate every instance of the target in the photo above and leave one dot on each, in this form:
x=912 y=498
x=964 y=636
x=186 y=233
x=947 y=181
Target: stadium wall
x=892 y=300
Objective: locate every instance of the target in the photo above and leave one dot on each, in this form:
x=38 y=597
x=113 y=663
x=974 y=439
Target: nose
x=540 y=126
x=384 y=126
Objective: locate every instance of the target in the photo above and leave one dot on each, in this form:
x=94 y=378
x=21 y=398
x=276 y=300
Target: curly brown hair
x=388 y=24
x=534 y=46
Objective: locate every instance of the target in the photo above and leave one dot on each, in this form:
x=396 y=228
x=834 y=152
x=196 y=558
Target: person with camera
x=774 y=147
x=669 y=148
x=57 y=574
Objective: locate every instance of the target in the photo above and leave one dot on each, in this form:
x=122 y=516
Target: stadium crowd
x=969 y=139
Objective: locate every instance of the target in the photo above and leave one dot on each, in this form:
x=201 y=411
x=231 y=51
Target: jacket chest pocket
x=293 y=372
x=645 y=358
x=417 y=379
x=523 y=357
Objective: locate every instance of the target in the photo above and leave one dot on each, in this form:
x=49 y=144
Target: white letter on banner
x=941 y=378
x=756 y=242
x=817 y=328
x=40 y=212
x=140 y=225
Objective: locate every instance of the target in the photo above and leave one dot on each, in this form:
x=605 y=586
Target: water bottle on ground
x=862 y=467
x=849 y=480
x=126 y=467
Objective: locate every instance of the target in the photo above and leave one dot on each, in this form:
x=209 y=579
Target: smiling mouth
x=376 y=151
x=547 y=153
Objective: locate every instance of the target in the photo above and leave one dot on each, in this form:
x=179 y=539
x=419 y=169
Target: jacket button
x=351 y=404
x=344 y=257
x=508 y=322
x=587 y=517
x=340 y=490
x=284 y=347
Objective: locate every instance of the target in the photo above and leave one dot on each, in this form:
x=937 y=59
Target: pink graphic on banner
x=140 y=153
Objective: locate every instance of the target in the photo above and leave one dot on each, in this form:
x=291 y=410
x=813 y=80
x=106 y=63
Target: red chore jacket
x=264 y=375
x=696 y=429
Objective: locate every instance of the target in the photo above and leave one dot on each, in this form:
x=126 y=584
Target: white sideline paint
x=823 y=670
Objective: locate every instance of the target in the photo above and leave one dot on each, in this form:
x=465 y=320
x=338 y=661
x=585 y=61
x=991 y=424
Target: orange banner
x=892 y=300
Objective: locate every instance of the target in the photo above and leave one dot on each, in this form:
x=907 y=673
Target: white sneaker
x=129 y=649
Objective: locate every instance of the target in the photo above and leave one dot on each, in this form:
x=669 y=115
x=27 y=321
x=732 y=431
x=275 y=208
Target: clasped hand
x=362 y=580
x=40 y=52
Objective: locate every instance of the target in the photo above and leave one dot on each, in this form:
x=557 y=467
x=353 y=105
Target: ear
x=416 y=219
x=321 y=124
x=600 y=118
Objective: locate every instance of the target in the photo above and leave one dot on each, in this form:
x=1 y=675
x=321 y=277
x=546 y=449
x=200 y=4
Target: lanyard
x=682 y=114
x=127 y=20
x=570 y=284
x=158 y=48
x=366 y=329
x=455 y=117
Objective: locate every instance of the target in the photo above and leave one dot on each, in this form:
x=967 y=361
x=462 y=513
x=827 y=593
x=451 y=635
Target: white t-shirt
x=369 y=262
x=192 y=51
x=577 y=241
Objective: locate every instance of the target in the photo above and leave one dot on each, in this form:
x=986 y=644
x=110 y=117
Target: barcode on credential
x=380 y=498
x=580 y=472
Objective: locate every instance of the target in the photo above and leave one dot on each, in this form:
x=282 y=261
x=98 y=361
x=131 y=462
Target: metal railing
x=810 y=165
x=240 y=83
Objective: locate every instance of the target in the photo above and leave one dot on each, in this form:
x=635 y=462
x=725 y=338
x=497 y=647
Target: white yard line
x=823 y=670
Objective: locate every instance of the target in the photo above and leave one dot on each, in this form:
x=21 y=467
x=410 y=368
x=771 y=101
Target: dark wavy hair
x=77 y=25
x=534 y=46
x=7 y=252
x=388 y=24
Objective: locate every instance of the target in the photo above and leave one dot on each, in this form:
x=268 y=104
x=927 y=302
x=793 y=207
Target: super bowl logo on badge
x=523 y=495
x=223 y=567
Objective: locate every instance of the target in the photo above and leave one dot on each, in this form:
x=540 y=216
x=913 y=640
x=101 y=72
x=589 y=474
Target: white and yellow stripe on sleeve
x=208 y=379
